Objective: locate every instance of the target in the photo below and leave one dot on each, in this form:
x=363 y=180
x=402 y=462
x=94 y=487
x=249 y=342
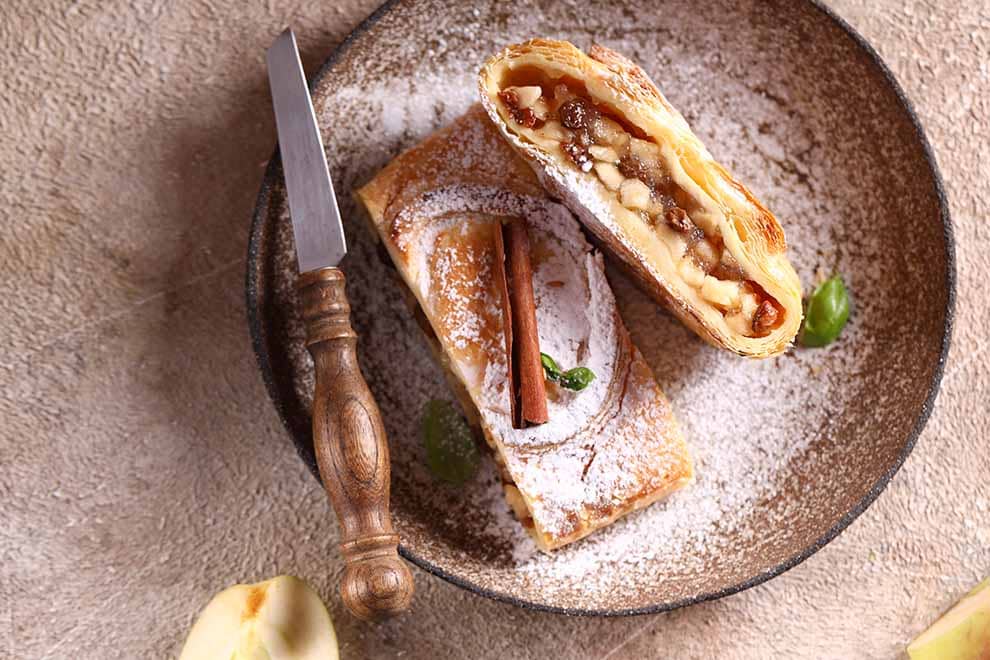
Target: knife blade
x=316 y=224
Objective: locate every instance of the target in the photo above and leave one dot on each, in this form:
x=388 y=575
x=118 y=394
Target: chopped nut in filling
x=598 y=143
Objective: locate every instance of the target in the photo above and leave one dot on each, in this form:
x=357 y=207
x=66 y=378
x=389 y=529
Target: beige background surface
x=142 y=467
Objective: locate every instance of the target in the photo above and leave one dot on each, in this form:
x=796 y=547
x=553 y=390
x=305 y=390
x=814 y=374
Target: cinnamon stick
x=514 y=277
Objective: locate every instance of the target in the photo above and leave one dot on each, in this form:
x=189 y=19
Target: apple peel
x=962 y=633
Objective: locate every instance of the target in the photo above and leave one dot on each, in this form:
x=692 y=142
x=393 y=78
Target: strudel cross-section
x=604 y=140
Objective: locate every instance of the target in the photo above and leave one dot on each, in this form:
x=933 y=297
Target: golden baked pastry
x=605 y=451
x=603 y=139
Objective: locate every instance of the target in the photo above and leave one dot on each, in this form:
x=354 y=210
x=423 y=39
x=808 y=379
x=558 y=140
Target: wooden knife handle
x=352 y=453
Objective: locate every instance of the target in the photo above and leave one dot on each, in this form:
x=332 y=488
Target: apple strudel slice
x=607 y=450
x=602 y=138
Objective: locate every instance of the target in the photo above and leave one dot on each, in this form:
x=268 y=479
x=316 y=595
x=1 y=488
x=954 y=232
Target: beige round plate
x=789 y=451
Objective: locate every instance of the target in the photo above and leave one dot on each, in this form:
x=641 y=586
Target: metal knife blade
x=316 y=224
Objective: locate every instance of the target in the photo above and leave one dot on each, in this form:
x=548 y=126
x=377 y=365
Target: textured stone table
x=142 y=467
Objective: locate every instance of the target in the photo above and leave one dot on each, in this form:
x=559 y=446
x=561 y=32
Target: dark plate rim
x=256 y=326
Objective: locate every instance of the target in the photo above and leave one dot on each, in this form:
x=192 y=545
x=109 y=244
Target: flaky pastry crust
x=750 y=232
x=606 y=451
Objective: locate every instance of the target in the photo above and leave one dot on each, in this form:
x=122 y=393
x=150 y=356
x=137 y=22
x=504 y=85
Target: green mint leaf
x=826 y=314
x=451 y=454
x=577 y=379
x=550 y=368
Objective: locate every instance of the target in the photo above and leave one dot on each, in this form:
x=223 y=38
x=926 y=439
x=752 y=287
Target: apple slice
x=279 y=619
x=962 y=633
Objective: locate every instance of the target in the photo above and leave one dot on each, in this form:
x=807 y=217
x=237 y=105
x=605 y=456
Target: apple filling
x=600 y=144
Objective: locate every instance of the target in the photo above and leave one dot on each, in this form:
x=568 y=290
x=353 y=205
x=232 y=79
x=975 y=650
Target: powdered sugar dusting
x=784 y=447
x=603 y=447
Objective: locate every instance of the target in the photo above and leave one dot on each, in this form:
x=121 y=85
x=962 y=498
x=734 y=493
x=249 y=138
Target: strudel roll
x=605 y=451
x=603 y=139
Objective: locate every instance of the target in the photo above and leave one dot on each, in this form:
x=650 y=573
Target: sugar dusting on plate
x=745 y=421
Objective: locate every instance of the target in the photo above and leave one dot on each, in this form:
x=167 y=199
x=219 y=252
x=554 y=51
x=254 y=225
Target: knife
x=348 y=435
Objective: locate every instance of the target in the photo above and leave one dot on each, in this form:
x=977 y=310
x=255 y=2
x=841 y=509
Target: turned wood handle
x=352 y=453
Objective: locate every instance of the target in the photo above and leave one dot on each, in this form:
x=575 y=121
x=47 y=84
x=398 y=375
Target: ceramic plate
x=789 y=451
